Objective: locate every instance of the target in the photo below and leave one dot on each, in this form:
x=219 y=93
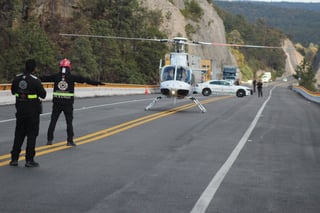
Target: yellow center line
x=46 y=149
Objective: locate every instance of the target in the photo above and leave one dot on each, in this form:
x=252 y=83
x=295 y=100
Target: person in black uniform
x=259 y=87
x=63 y=98
x=27 y=88
x=254 y=85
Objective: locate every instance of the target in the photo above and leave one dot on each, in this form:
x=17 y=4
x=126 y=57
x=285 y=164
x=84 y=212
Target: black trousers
x=67 y=109
x=260 y=92
x=27 y=125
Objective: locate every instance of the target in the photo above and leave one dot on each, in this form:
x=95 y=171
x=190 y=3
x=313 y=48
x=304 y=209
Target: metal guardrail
x=86 y=90
x=5 y=87
x=311 y=96
x=50 y=85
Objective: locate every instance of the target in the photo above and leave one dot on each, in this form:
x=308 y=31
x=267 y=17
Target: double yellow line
x=46 y=149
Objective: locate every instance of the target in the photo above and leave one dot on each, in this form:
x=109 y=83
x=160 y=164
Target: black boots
x=28 y=163
x=71 y=143
x=31 y=164
x=13 y=163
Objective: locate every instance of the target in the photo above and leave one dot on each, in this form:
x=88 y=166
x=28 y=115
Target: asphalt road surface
x=243 y=155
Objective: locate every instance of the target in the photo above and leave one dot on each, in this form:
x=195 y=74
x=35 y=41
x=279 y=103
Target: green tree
x=234 y=37
x=305 y=75
x=83 y=59
x=109 y=60
x=311 y=51
x=192 y=10
x=29 y=41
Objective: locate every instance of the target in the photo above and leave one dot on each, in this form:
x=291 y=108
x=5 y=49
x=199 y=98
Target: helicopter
x=175 y=78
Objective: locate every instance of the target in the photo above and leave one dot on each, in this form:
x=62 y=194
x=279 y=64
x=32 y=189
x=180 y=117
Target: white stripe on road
x=208 y=194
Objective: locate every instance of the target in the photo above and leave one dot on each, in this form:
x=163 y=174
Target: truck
x=231 y=73
x=266 y=77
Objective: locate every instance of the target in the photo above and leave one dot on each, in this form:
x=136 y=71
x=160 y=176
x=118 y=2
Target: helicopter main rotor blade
x=237 y=45
x=177 y=40
x=114 y=37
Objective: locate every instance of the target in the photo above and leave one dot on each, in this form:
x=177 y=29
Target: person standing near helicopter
x=28 y=90
x=259 y=87
x=63 y=98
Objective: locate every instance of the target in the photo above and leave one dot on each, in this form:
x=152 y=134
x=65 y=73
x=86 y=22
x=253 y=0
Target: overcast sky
x=306 y=1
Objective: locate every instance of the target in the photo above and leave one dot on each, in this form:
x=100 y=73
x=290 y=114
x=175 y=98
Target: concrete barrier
x=84 y=91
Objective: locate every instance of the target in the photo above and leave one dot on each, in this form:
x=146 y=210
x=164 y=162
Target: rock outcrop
x=210 y=28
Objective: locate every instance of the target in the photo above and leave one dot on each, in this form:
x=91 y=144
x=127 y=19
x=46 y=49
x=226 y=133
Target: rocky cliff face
x=210 y=28
x=60 y=8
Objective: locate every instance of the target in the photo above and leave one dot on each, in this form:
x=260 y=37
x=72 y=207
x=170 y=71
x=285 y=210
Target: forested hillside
x=24 y=34
x=298 y=5
x=300 y=21
x=239 y=31
x=30 y=29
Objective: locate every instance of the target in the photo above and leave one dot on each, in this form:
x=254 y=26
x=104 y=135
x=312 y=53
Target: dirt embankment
x=293 y=57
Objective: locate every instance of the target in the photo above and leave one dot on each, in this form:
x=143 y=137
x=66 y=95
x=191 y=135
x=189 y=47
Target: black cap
x=30 y=65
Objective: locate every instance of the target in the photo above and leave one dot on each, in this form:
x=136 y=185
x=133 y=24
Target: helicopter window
x=183 y=74
x=168 y=74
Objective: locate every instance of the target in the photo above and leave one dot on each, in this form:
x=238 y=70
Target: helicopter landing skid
x=197 y=102
x=152 y=103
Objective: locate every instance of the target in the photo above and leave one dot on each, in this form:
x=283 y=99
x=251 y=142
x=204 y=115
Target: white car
x=221 y=87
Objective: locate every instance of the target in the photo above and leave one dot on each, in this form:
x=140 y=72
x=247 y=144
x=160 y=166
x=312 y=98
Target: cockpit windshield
x=178 y=73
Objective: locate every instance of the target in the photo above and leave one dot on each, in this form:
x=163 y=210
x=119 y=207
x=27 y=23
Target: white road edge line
x=208 y=194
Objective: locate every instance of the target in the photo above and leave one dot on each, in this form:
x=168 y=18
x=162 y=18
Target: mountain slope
x=297 y=20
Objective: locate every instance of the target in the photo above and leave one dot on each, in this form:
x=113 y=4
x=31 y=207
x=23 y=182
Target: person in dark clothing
x=63 y=98
x=237 y=82
x=28 y=89
x=254 y=85
x=259 y=87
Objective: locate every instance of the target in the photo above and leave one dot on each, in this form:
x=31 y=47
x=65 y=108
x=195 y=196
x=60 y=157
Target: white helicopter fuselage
x=175 y=81
x=173 y=88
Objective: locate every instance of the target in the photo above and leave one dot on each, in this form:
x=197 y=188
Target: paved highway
x=243 y=155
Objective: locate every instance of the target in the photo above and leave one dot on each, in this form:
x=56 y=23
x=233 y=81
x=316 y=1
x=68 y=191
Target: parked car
x=221 y=87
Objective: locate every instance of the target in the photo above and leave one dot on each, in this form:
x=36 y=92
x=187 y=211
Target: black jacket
x=63 y=91
x=28 y=89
